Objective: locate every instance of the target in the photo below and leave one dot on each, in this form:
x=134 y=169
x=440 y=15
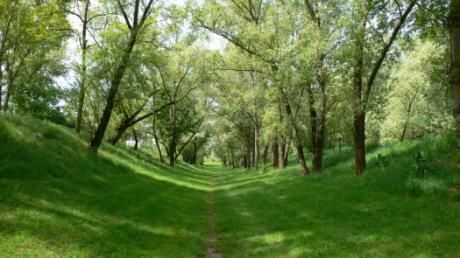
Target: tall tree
x=135 y=26
x=454 y=31
x=82 y=13
x=363 y=83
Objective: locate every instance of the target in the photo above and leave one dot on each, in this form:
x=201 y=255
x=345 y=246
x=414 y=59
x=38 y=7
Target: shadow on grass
x=60 y=199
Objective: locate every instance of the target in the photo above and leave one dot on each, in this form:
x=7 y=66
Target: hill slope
x=58 y=199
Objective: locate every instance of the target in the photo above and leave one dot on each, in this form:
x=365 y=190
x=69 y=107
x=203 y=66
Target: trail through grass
x=59 y=200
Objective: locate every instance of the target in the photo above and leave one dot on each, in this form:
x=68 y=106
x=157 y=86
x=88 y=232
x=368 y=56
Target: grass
x=57 y=199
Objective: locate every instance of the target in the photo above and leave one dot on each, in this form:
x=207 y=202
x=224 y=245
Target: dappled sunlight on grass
x=58 y=199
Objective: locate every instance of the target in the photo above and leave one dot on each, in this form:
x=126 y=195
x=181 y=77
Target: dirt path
x=212 y=237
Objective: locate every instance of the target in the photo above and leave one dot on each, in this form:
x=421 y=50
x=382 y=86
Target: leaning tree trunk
x=454 y=30
x=110 y=102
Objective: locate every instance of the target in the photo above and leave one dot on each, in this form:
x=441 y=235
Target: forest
x=229 y=128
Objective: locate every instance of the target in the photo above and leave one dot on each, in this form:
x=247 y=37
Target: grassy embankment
x=57 y=199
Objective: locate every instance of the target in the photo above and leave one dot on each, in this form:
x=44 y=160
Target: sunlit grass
x=59 y=200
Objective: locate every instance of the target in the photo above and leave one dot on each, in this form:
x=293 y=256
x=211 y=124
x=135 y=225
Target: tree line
x=286 y=77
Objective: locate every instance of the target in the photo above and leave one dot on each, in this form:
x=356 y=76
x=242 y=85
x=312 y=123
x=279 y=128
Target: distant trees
x=289 y=78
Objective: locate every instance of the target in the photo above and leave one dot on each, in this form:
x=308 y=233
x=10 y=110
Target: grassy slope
x=56 y=199
x=335 y=214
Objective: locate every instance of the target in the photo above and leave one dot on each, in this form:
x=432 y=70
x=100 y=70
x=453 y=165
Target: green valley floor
x=59 y=200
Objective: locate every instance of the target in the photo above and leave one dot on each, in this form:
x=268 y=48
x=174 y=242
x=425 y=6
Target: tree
x=84 y=15
x=454 y=32
x=135 y=26
x=363 y=83
x=23 y=42
x=416 y=103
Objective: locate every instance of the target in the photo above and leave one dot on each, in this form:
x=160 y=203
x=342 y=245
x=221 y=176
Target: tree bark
x=359 y=142
x=275 y=155
x=110 y=102
x=1 y=85
x=172 y=153
x=136 y=140
x=454 y=32
x=281 y=152
x=173 y=141
x=256 y=147
x=157 y=143
x=84 y=49
x=359 y=113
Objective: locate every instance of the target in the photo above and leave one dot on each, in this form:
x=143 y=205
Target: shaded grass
x=336 y=214
x=59 y=200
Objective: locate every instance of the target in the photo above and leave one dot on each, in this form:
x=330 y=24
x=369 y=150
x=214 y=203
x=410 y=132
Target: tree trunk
x=404 y=131
x=286 y=154
x=321 y=129
x=1 y=85
x=275 y=155
x=172 y=153
x=84 y=49
x=360 y=95
x=136 y=140
x=359 y=142
x=340 y=144
x=195 y=153
x=173 y=142
x=256 y=148
x=121 y=129
x=110 y=102
x=303 y=164
x=157 y=143
x=281 y=152
x=454 y=31
x=9 y=90
x=359 y=112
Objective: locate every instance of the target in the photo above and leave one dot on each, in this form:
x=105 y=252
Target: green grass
x=59 y=200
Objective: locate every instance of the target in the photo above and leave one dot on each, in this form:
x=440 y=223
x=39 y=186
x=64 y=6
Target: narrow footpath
x=212 y=236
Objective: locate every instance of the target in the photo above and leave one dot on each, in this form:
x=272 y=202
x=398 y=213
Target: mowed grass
x=336 y=214
x=59 y=200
